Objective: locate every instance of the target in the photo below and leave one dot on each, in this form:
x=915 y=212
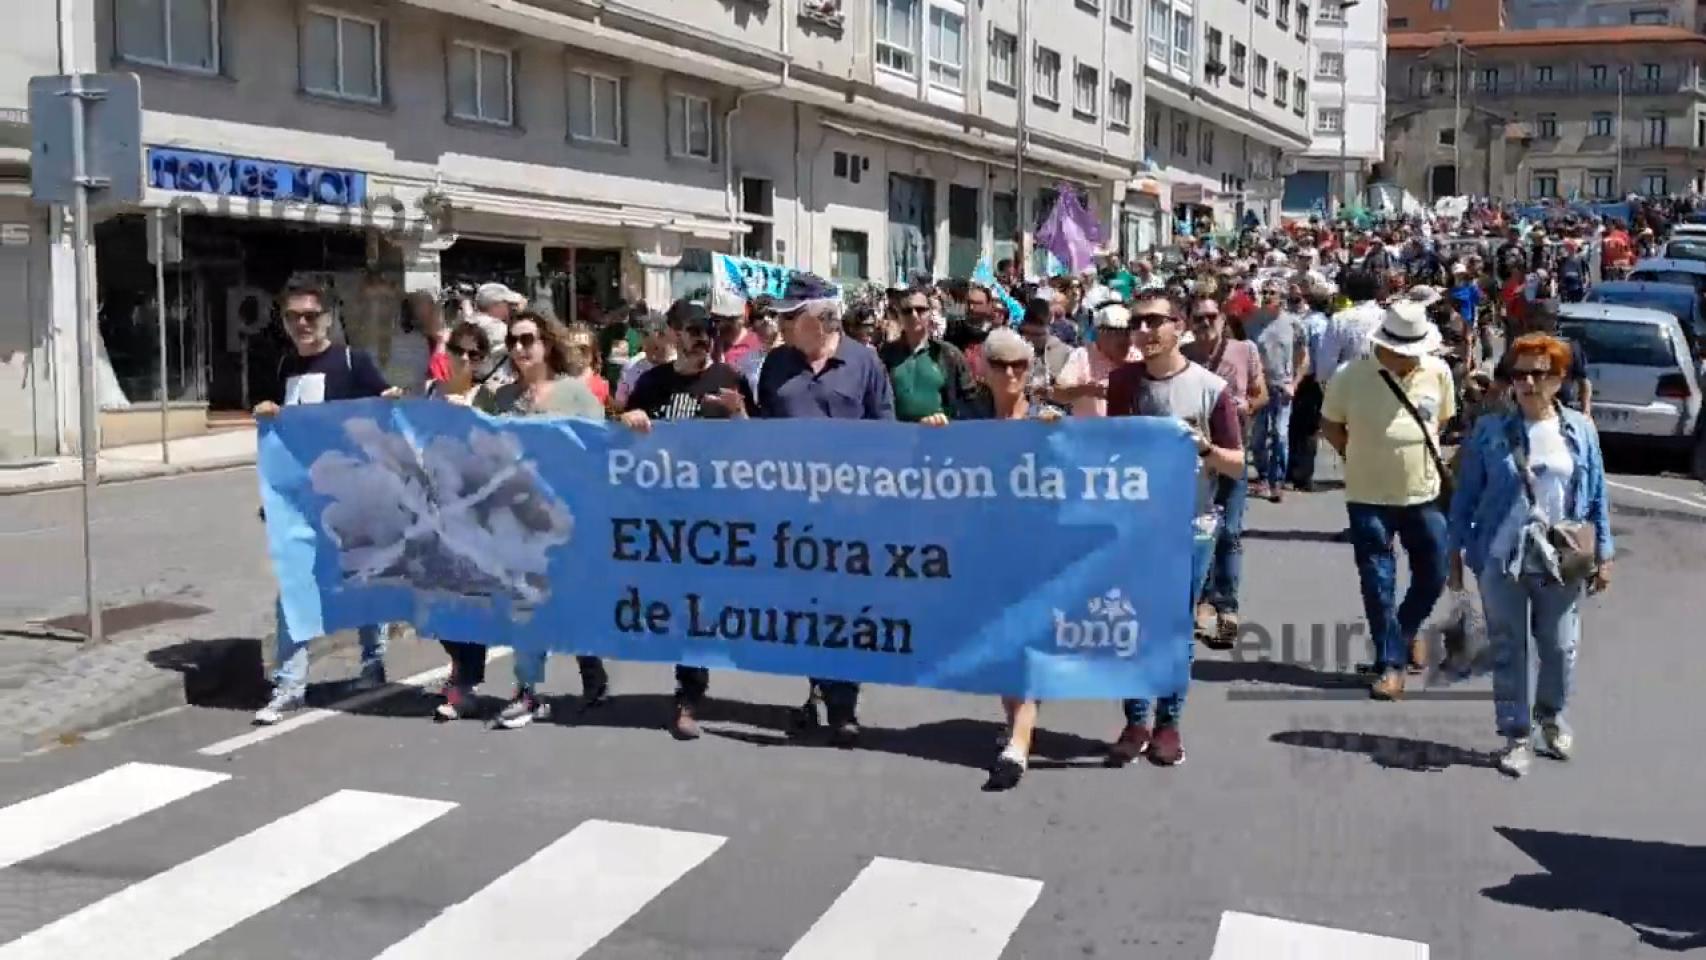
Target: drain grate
x=129 y=616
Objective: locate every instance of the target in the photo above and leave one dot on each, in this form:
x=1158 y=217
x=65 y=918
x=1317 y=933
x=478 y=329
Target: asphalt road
x=606 y=839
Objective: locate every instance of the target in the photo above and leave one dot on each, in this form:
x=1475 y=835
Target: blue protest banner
x=1049 y=560
x=747 y=279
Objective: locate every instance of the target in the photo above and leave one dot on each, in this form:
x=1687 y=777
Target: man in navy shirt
x=820 y=373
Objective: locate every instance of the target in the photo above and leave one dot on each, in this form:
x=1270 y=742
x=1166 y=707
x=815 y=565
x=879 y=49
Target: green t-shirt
x=918 y=382
x=611 y=340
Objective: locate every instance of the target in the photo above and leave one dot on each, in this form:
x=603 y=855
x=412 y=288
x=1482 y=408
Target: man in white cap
x=1083 y=382
x=1383 y=414
x=494 y=304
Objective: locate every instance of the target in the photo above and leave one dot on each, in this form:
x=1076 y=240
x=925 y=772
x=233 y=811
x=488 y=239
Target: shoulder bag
x=1573 y=540
x=1446 y=477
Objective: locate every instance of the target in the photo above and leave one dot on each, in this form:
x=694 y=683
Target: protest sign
x=1049 y=560
x=745 y=279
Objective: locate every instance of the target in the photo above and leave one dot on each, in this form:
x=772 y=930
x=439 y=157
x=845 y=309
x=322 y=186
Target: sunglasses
x=524 y=341
x=1205 y=317
x=1010 y=366
x=461 y=352
x=907 y=308
x=294 y=315
x=1527 y=376
x=1149 y=321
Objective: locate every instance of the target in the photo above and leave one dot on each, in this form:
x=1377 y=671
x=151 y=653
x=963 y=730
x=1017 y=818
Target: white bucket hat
x=1407 y=330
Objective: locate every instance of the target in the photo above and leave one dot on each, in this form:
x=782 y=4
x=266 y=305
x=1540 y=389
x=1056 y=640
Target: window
x=1487 y=80
x=170 y=33
x=1332 y=11
x=1441 y=6
x=1652 y=72
x=1597 y=75
x=1397 y=23
x=690 y=126
x=1184 y=37
x=1205 y=145
x=1121 y=12
x=1260 y=83
x=850 y=256
x=1299 y=96
x=340 y=55
x=1600 y=126
x=758 y=212
x=1330 y=120
x=1446 y=137
x=1303 y=21
x=481 y=84
x=1654 y=130
x=897 y=35
x=1331 y=66
x=1655 y=183
x=1261 y=8
x=1086 y=85
x=1600 y=183
x=1700 y=131
x=947 y=49
x=1649 y=18
x=1544 y=183
x=851 y=166
x=1543 y=74
x=1046 y=66
x=1282 y=15
x=1240 y=56
x=1546 y=126
x=1003 y=56
x=1435 y=82
x=1160 y=28
x=1182 y=137
x=1213 y=40
x=1282 y=85
x=1119 y=105
x=1152 y=128
x=595 y=107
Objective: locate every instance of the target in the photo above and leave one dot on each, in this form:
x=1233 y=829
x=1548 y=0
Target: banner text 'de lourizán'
x=1049 y=560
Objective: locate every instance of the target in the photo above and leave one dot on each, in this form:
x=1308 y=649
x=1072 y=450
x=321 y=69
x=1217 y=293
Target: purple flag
x=1071 y=232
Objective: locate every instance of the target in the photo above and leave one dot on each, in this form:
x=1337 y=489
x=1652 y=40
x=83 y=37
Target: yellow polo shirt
x=1386 y=457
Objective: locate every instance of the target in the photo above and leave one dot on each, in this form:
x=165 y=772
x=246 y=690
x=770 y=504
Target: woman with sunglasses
x=1527 y=475
x=548 y=382
x=1006 y=396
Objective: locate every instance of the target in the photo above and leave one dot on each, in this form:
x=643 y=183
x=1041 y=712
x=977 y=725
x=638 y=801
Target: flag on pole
x=1071 y=232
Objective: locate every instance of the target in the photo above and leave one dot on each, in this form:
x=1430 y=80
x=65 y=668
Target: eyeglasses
x=462 y=352
x=1529 y=376
x=910 y=308
x=1010 y=366
x=1149 y=321
x=523 y=341
x=1205 y=317
x=294 y=315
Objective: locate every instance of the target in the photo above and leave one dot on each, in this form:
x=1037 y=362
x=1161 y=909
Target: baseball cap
x=803 y=289
x=651 y=323
x=492 y=294
x=1114 y=316
x=685 y=312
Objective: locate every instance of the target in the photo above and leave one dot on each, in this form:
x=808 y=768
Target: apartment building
x=1228 y=98
x=1595 y=112
x=1551 y=14
x=1347 y=106
x=588 y=152
x=1460 y=15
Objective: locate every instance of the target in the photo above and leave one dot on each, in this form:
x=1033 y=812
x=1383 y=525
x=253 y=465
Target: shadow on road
x=1656 y=889
x=1393 y=753
x=225 y=673
x=1275 y=672
x=1296 y=536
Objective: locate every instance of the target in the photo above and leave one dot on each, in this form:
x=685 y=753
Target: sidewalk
x=212 y=451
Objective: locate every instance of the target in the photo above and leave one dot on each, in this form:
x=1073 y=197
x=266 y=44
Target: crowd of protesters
x=1386 y=341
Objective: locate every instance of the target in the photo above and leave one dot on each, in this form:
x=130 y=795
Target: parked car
x=1687 y=247
x=1677 y=299
x=1664 y=270
x=1646 y=387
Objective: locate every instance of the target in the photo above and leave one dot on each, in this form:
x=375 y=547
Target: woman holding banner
x=1005 y=396
x=548 y=382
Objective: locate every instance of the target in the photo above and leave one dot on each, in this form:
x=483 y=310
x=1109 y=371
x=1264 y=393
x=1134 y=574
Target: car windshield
x=1686 y=249
x=1624 y=344
x=1681 y=311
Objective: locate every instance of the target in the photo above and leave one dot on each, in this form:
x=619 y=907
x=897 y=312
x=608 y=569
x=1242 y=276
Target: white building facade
x=589 y=154
x=1347 y=107
x=1227 y=101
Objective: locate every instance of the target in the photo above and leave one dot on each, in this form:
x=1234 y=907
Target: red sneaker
x=1132 y=743
x=1167 y=749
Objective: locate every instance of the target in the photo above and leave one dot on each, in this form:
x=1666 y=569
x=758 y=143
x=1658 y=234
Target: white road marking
x=171 y=913
x=1245 y=936
x=348 y=704
x=32 y=827
x=900 y=910
x=564 y=899
x=1659 y=494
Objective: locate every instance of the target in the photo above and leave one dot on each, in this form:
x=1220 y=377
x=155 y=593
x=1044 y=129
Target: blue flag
x=984 y=277
x=1044 y=560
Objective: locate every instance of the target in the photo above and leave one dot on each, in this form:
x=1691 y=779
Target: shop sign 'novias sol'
x=232 y=176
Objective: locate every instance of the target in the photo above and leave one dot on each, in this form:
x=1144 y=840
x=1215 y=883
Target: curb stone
x=148 y=472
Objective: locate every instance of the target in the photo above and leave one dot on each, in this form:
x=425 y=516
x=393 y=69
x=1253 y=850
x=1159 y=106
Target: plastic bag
x=1463 y=637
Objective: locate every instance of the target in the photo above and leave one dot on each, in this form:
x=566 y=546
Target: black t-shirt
x=1578 y=372
x=666 y=393
x=336 y=373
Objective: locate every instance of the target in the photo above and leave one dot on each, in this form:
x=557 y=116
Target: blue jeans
x=290 y=653
x=1421 y=529
x=1226 y=569
x=1268 y=439
x=1524 y=614
x=529 y=668
x=1168 y=709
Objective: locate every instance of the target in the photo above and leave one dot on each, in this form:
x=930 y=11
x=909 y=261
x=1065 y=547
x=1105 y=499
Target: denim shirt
x=1489 y=487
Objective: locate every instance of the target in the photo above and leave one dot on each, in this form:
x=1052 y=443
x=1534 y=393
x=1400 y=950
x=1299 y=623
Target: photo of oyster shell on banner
x=467 y=517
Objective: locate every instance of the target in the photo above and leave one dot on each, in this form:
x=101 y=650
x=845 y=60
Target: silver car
x=1645 y=381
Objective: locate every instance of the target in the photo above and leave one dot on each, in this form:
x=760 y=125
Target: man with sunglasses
x=1167 y=384
x=932 y=381
x=318 y=372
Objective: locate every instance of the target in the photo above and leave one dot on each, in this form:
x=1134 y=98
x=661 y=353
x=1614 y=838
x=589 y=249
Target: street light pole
x=1344 y=99
x=1618 y=186
x=1457 y=117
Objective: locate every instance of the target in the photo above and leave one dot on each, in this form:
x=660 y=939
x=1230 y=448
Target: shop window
x=851 y=253
x=341 y=56
x=482 y=85
x=912 y=226
x=182 y=34
x=965 y=234
x=690 y=126
x=596 y=108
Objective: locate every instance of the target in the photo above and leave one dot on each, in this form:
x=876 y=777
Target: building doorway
x=1442 y=181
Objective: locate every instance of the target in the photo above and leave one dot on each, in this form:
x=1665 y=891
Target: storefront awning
x=546 y=212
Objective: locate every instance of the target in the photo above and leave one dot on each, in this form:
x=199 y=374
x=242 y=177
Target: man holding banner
x=822 y=374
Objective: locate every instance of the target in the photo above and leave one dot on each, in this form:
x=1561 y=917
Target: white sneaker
x=281 y=704
x=1556 y=740
x=1517 y=756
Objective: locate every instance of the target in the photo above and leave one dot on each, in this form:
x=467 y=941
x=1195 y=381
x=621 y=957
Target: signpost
x=86 y=153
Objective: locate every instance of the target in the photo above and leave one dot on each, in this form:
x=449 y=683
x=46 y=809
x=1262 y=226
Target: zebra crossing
x=559 y=903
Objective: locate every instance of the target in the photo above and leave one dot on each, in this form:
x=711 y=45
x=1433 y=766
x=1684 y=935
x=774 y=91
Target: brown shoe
x=1208 y=620
x=685 y=727
x=1390 y=686
x=1133 y=742
x=1225 y=636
